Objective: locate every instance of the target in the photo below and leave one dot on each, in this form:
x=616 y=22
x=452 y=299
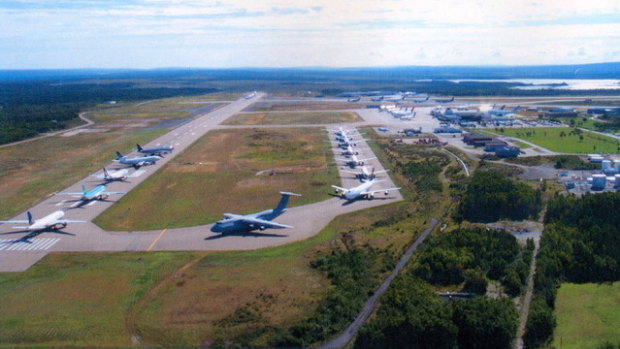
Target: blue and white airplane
x=97 y=193
x=115 y=175
x=52 y=221
x=155 y=151
x=255 y=221
x=361 y=191
x=354 y=161
x=420 y=100
x=445 y=100
x=137 y=161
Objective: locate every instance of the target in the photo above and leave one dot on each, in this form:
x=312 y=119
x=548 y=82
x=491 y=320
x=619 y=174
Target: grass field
x=79 y=300
x=238 y=171
x=33 y=170
x=264 y=106
x=588 y=315
x=303 y=118
x=564 y=140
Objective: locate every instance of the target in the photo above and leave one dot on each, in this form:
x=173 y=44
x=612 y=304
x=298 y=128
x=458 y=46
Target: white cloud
x=308 y=33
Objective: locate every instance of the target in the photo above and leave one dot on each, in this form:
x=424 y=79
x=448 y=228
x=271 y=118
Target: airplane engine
x=103 y=197
x=357 y=153
x=262 y=227
x=361 y=163
x=386 y=192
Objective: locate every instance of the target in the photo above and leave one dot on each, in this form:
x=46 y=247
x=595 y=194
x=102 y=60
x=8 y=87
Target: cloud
x=307 y=33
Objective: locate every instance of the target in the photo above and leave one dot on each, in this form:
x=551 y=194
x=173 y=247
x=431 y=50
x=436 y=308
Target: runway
x=87 y=237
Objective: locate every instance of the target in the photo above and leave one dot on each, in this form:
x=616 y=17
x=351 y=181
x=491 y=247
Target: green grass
x=588 y=315
x=228 y=171
x=33 y=170
x=79 y=299
x=550 y=138
x=292 y=118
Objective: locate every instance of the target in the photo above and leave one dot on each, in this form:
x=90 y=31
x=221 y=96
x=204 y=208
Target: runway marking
x=156 y=239
x=60 y=203
x=38 y=244
x=137 y=173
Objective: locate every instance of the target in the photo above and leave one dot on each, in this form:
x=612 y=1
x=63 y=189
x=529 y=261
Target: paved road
x=345 y=337
x=308 y=220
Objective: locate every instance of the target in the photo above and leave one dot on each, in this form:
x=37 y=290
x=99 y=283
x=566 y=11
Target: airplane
x=420 y=100
x=342 y=132
x=502 y=111
x=52 y=221
x=355 y=161
x=260 y=220
x=348 y=150
x=377 y=99
x=116 y=175
x=361 y=191
x=137 y=161
x=354 y=99
x=444 y=100
x=365 y=174
x=154 y=151
x=394 y=98
x=97 y=193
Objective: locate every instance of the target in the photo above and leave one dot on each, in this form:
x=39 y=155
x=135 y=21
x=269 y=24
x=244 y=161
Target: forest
x=28 y=108
x=490 y=197
x=580 y=244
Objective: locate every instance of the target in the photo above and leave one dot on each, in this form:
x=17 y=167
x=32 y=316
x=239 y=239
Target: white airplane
x=362 y=190
x=97 y=193
x=260 y=220
x=420 y=100
x=348 y=150
x=366 y=174
x=137 y=161
x=355 y=161
x=115 y=175
x=52 y=221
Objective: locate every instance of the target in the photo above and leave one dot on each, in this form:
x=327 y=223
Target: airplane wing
x=16 y=221
x=351 y=172
x=70 y=194
x=367 y=159
x=373 y=192
x=70 y=221
x=345 y=160
x=339 y=188
x=264 y=223
x=113 y=192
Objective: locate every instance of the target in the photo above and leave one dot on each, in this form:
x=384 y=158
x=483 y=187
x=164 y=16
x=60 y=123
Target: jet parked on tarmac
x=97 y=193
x=445 y=100
x=52 y=221
x=354 y=161
x=137 y=161
x=365 y=174
x=154 y=151
x=115 y=175
x=255 y=221
x=361 y=191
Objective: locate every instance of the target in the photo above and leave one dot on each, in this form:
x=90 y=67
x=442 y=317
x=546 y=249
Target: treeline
x=33 y=107
x=580 y=244
x=473 y=256
x=413 y=316
x=490 y=197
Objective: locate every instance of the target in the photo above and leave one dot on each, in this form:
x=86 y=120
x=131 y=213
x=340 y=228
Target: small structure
x=507 y=151
x=476 y=140
x=599 y=181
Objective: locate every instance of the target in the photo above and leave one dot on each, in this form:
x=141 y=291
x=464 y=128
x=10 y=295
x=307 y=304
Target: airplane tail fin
x=84 y=189
x=119 y=155
x=284 y=201
x=138 y=147
x=105 y=173
x=30 y=219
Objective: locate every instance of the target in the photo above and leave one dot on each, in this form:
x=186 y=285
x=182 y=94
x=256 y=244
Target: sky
x=61 y=34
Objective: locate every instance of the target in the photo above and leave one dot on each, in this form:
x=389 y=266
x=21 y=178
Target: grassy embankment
x=32 y=170
x=564 y=140
x=238 y=171
x=587 y=315
x=298 y=118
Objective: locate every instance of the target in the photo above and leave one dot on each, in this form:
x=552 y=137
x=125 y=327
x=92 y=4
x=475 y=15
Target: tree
x=485 y=323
